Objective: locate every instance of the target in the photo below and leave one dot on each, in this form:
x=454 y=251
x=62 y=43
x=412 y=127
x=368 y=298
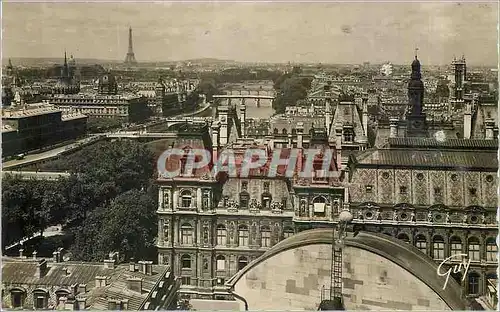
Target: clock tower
x=415 y=117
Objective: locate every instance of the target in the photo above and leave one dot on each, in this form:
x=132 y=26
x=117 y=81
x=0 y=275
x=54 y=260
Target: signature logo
x=462 y=267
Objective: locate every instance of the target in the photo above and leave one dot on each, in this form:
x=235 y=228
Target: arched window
x=455 y=246
x=284 y=131
x=421 y=243
x=438 y=247
x=221 y=235
x=186 y=261
x=275 y=131
x=294 y=131
x=265 y=233
x=404 y=238
x=40 y=299
x=17 y=297
x=473 y=249
x=186 y=234
x=473 y=283
x=243 y=235
x=242 y=262
x=348 y=135
x=186 y=199
x=491 y=250
x=244 y=199
x=319 y=206
x=287 y=232
x=221 y=263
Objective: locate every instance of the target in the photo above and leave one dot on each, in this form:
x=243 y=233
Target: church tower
x=415 y=117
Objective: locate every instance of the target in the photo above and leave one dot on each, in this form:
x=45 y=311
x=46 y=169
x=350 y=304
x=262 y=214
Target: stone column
x=175 y=200
x=198 y=199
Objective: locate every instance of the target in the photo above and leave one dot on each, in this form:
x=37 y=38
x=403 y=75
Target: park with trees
x=107 y=204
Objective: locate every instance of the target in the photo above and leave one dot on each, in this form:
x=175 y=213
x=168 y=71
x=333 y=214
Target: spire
x=130 y=57
x=416 y=53
x=65 y=58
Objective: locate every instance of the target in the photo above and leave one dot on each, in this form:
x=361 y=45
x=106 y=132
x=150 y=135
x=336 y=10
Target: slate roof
x=445 y=144
x=459 y=159
x=18 y=271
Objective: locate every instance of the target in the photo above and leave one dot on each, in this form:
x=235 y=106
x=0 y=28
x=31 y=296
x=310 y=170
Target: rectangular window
x=244 y=185
x=455 y=248
x=369 y=188
x=403 y=190
x=220 y=282
x=187 y=236
x=221 y=237
x=421 y=245
x=438 y=248
x=266 y=187
x=474 y=252
x=266 y=239
x=243 y=238
x=186 y=280
x=491 y=252
x=221 y=264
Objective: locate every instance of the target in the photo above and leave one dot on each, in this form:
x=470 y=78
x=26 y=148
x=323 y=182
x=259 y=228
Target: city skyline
x=255 y=32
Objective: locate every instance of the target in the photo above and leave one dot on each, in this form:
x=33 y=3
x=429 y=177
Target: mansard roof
x=471 y=160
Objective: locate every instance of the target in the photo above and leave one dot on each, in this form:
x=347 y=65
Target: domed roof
x=107 y=79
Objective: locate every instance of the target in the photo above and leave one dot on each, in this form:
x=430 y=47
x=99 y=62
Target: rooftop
x=28 y=111
x=441 y=144
x=438 y=159
x=17 y=271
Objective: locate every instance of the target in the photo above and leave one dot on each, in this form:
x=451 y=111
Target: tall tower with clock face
x=415 y=117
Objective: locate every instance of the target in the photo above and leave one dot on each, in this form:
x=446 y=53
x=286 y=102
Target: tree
x=129 y=225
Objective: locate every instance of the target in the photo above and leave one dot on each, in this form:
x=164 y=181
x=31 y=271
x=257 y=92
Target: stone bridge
x=379 y=273
x=243 y=98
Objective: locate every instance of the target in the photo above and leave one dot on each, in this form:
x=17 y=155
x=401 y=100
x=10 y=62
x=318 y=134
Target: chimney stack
x=109 y=264
x=81 y=303
x=55 y=258
x=41 y=268
x=300 y=134
x=489 y=124
x=21 y=251
x=100 y=281
x=82 y=288
x=393 y=124
x=34 y=255
x=135 y=284
x=148 y=267
x=131 y=266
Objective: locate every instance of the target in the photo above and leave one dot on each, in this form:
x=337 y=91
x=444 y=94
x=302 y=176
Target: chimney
x=468 y=121
x=55 y=257
x=489 y=124
x=135 y=284
x=131 y=266
x=100 y=281
x=21 y=251
x=148 y=267
x=142 y=267
x=81 y=303
x=62 y=302
x=59 y=254
x=34 y=255
x=300 y=134
x=124 y=304
x=393 y=124
x=109 y=264
x=70 y=304
x=41 y=268
x=82 y=288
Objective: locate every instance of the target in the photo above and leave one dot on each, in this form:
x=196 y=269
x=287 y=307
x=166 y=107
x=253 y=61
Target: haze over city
x=255 y=32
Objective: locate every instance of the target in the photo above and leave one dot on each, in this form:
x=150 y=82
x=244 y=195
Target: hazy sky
x=273 y=32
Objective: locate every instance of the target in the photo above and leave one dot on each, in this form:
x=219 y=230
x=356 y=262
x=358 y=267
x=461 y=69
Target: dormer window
x=266 y=200
x=348 y=135
x=244 y=200
x=266 y=187
x=244 y=186
x=319 y=206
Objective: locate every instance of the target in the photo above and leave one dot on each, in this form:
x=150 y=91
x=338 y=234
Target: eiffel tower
x=130 y=58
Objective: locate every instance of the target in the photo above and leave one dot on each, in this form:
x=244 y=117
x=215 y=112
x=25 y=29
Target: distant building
x=107 y=103
x=35 y=126
x=46 y=284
